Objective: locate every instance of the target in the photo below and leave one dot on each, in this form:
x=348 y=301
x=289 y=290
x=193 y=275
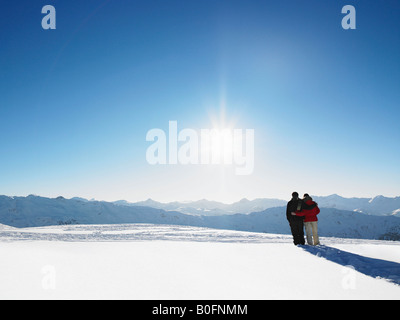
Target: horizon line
x=191 y=201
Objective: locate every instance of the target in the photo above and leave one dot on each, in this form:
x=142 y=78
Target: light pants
x=312 y=232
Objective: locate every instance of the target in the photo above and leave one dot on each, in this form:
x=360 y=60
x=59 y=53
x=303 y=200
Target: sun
x=220 y=139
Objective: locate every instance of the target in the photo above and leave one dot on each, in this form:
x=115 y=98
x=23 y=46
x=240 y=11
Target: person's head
x=295 y=195
x=306 y=197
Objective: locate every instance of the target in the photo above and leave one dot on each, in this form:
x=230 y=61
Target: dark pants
x=297 y=228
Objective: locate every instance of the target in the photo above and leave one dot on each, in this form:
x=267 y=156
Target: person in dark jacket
x=297 y=222
x=310 y=221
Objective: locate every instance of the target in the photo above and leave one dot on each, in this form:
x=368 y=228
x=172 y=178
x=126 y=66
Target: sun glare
x=220 y=140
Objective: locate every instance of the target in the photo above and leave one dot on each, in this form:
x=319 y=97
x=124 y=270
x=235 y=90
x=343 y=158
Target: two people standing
x=300 y=213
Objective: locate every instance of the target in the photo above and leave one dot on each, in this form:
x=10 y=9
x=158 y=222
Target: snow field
x=268 y=268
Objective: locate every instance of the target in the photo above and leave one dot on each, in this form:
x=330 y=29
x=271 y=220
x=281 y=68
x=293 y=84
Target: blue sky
x=76 y=102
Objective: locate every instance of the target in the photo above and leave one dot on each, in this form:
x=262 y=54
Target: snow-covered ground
x=145 y=261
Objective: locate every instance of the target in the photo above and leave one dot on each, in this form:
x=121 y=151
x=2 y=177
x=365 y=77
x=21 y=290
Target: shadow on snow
x=372 y=267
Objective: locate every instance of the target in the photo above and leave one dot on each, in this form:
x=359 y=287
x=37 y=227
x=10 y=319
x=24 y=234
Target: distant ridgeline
x=34 y=211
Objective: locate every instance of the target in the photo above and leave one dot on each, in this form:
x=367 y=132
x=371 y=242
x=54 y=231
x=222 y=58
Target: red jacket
x=311 y=215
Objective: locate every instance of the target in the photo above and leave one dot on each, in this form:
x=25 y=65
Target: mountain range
x=35 y=211
x=210 y=208
x=379 y=205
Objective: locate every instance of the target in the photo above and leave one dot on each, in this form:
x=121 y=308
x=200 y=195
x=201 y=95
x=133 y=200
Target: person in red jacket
x=310 y=221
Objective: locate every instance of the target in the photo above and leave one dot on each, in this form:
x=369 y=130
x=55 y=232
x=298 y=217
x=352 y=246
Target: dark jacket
x=297 y=205
x=292 y=207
